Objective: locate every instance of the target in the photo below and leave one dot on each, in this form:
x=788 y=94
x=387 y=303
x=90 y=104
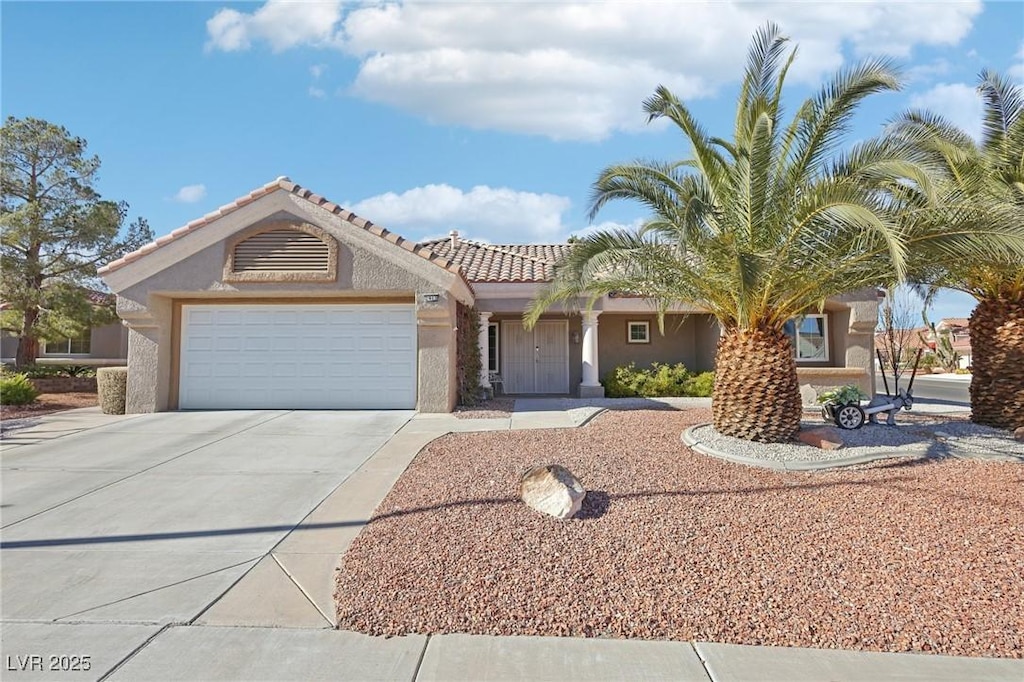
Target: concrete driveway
x=150 y=520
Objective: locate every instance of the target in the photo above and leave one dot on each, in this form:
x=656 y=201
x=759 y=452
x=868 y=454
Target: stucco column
x=591 y=386
x=482 y=339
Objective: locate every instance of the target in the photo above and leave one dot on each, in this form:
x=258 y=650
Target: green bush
x=701 y=386
x=659 y=381
x=48 y=371
x=16 y=389
x=843 y=395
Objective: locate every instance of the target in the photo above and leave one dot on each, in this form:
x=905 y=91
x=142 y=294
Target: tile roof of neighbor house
x=917 y=338
x=283 y=183
x=501 y=262
x=954 y=322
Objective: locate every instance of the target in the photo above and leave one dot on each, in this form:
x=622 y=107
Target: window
x=492 y=347
x=76 y=346
x=638 y=332
x=809 y=336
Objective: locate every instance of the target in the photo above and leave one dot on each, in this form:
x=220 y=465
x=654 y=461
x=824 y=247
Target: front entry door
x=535 y=361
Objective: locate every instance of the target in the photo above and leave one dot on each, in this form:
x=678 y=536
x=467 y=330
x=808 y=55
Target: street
x=951 y=388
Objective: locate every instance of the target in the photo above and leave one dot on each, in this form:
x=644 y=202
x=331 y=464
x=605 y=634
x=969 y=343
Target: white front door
x=535 y=361
x=297 y=357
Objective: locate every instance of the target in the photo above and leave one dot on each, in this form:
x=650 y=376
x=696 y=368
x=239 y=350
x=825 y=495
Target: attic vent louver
x=283 y=253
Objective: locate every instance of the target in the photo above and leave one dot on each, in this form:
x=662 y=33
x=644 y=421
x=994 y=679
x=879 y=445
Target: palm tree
x=986 y=178
x=762 y=228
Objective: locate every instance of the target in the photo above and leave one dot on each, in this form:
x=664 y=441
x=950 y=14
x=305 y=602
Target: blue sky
x=490 y=118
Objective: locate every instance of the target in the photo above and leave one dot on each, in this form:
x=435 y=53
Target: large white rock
x=552 y=490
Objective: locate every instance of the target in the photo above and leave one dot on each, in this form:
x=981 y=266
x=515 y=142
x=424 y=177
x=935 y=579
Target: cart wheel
x=849 y=416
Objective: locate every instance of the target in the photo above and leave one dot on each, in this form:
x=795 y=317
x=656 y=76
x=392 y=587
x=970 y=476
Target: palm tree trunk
x=756 y=396
x=997 y=350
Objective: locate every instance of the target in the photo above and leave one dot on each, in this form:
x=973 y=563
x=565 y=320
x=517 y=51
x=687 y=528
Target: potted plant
x=842 y=406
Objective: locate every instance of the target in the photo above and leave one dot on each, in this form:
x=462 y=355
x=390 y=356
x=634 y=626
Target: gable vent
x=282 y=251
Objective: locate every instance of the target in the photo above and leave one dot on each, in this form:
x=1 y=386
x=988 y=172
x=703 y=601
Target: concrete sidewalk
x=276 y=620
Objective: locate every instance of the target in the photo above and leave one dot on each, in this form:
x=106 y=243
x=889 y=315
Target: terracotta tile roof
x=283 y=183
x=911 y=342
x=949 y=322
x=501 y=262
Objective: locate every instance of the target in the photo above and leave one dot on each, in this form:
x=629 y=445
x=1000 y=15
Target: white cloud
x=493 y=214
x=928 y=71
x=957 y=102
x=575 y=70
x=317 y=70
x=1016 y=69
x=318 y=93
x=190 y=194
x=282 y=23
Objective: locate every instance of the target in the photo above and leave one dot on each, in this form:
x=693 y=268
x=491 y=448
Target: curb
x=799 y=465
x=590 y=418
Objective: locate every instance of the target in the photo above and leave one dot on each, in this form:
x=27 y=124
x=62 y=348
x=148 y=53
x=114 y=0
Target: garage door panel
x=298 y=356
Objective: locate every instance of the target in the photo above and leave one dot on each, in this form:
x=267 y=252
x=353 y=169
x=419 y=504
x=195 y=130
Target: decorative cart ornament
x=842 y=405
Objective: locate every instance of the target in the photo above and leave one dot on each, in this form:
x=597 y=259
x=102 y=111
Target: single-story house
x=283 y=299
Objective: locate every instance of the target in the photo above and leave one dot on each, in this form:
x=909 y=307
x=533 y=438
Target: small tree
x=54 y=232
x=897 y=318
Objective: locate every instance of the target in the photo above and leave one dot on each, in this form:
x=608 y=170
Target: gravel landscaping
x=495 y=408
x=47 y=403
x=899 y=555
x=910 y=437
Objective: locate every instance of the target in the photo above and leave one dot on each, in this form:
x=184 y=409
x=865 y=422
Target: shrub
x=112 y=388
x=659 y=381
x=48 y=371
x=467 y=353
x=16 y=389
x=701 y=386
x=843 y=395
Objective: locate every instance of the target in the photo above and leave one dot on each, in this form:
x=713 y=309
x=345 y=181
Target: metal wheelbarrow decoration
x=850 y=415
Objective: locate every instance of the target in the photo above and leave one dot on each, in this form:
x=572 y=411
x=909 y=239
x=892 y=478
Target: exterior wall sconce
x=576 y=337
x=431 y=298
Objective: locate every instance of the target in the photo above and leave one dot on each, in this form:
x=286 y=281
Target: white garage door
x=297 y=357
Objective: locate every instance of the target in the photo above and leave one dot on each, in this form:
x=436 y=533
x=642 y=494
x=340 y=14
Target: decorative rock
x=825 y=438
x=808 y=395
x=1018 y=434
x=552 y=490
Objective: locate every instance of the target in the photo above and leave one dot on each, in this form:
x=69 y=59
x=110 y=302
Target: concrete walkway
x=271 y=616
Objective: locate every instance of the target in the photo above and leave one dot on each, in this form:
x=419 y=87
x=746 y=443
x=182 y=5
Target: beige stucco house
x=283 y=299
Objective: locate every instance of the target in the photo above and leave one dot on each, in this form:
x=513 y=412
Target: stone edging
x=798 y=465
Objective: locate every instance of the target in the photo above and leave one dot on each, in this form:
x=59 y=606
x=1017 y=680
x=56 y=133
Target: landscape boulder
x=1018 y=434
x=823 y=437
x=552 y=490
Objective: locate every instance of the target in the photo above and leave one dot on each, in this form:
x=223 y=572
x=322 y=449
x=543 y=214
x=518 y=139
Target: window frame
x=494 y=345
x=629 y=331
x=795 y=339
x=66 y=343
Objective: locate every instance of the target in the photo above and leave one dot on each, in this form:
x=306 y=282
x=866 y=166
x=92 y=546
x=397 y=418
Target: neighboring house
x=925 y=339
x=959 y=330
x=283 y=299
x=99 y=346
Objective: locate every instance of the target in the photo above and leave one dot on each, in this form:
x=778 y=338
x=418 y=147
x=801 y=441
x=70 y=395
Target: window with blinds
x=283 y=253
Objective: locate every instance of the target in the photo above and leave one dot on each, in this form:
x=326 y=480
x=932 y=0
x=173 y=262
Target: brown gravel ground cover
x=495 y=408
x=670 y=544
x=47 y=403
